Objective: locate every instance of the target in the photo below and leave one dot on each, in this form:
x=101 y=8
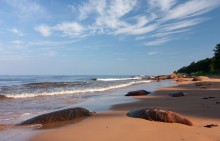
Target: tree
x=205 y=66
x=217 y=58
x=217 y=51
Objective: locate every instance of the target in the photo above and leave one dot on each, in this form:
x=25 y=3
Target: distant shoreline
x=116 y=125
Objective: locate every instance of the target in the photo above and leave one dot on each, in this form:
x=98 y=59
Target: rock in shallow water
x=58 y=116
x=155 y=114
x=137 y=93
x=177 y=94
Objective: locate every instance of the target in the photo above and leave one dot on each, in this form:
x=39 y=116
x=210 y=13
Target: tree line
x=206 y=66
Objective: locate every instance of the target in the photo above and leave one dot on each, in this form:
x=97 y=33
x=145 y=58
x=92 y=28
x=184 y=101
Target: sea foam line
x=118 y=79
x=91 y=90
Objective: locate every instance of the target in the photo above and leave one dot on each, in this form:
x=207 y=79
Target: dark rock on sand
x=200 y=78
x=199 y=84
x=58 y=116
x=177 y=94
x=155 y=114
x=3 y=97
x=211 y=125
x=208 y=97
x=137 y=93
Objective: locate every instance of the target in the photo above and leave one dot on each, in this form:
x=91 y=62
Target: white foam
x=118 y=79
x=90 y=90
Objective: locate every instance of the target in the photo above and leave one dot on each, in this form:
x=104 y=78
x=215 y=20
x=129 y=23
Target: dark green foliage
x=217 y=58
x=205 y=66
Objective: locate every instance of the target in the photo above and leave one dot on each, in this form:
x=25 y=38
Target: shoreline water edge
x=113 y=99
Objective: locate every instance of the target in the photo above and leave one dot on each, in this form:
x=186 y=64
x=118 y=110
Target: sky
x=105 y=37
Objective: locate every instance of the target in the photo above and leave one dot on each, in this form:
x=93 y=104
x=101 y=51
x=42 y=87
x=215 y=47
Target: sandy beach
x=200 y=105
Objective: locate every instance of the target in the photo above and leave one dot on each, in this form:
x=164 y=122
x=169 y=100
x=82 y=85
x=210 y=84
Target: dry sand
x=115 y=125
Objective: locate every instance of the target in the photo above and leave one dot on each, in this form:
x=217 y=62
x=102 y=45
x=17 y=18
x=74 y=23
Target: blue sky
x=105 y=36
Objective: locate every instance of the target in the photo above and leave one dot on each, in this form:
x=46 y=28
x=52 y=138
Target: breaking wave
x=117 y=79
x=65 y=92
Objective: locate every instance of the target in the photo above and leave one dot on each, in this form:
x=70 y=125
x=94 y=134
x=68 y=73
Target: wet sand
x=200 y=105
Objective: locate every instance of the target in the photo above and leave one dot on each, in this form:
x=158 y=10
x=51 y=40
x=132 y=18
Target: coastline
x=115 y=125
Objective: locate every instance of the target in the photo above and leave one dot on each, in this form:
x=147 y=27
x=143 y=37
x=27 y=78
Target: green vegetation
x=206 y=66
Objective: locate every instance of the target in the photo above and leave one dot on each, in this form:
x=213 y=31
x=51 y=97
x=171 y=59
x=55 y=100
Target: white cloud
x=44 y=30
x=70 y=28
x=163 y=5
x=152 y=53
x=17 y=32
x=50 y=43
x=165 y=33
x=134 y=30
x=160 y=19
x=191 y=8
x=181 y=24
x=25 y=9
x=92 y=6
x=157 y=41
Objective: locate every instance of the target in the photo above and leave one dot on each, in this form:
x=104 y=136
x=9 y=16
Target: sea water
x=28 y=96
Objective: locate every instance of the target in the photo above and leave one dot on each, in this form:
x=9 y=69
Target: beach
x=200 y=104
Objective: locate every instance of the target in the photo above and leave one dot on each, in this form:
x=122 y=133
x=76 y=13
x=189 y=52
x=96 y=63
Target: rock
x=176 y=94
x=1 y=127
x=211 y=125
x=199 y=84
x=179 y=79
x=58 y=116
x=200 y=78
x=172 y=76
x=137 y=93
x=3 y=97
x=155 y=114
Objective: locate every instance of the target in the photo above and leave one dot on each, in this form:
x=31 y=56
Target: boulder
x=172 y=76
x=200 y=78
x=155 y=114
x=177 y=94
x=3 y=97
x=58 y=116
x=137 y=93
x=179 y=79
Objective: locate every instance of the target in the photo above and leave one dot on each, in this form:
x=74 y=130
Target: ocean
x=22 y=97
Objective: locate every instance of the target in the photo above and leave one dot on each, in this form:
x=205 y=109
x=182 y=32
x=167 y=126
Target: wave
x=53 y=84
x=65 y=92
x=117 y=79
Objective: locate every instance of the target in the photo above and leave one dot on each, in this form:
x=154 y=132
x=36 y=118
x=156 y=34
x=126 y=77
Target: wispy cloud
x=152 y=53
x=181 y=25
x=44 y=30
x=160 y=20
x=191 y=8
x=163 y=33
x=25 y=9
x=69 y=28
x=157 y=41
x=17 y=32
